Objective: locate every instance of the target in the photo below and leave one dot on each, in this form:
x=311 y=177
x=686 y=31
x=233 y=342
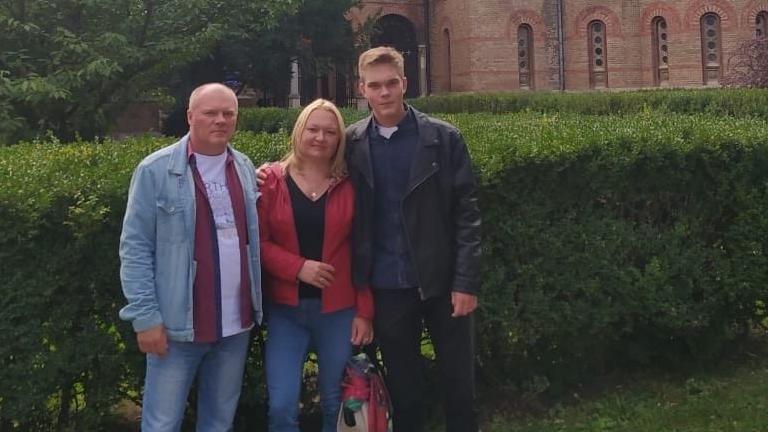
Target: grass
x=728 y=396
x=731 y=395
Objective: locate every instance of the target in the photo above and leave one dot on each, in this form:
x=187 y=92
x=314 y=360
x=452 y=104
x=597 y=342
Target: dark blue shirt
x=391 y=160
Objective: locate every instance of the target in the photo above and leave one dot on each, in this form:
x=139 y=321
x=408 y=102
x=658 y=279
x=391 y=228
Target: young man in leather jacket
x=416 y=242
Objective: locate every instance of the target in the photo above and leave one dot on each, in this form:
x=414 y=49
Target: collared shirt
x=208 y=319
x=391 y=160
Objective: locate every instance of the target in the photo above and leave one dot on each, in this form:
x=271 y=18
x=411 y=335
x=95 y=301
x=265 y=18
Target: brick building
x=487 y=45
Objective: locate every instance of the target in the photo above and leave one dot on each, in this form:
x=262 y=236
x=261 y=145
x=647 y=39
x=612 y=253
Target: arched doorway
x=398 y=32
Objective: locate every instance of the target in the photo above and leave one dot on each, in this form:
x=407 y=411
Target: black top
x=309 y=218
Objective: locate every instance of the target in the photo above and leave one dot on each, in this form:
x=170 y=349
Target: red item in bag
x=365 y=405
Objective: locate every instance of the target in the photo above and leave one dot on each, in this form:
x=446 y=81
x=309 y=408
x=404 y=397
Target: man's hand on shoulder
x=153 y=341
x=463 y=304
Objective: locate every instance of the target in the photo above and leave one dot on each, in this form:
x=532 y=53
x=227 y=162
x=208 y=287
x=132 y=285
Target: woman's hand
x=362 y=331
x=316 y=273
x=262 y=173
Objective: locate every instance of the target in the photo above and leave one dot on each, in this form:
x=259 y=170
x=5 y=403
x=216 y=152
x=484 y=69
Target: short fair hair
x=338 y=164
x=382 y=55
x=196 y=93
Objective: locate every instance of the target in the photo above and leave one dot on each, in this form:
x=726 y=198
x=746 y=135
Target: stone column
x=294 y=98
x=362 y=104
x=422 y=70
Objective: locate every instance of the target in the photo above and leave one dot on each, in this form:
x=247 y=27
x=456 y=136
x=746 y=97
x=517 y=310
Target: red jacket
x=280 y=257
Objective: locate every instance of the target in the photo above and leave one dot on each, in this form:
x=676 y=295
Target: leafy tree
x=748 y=66
x=8 y=122
x=68 y=65
x=318 y=35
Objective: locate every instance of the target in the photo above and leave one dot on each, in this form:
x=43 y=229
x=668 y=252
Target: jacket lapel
x=361 y=152
x=424 y=161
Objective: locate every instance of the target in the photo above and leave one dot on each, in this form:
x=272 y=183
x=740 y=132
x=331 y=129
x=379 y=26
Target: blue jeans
x=219 y=368
x=291 y=332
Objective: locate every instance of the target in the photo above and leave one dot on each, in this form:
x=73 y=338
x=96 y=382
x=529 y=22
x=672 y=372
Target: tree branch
x=149 y=13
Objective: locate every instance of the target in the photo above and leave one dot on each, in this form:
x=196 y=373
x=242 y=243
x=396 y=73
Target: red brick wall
x=483 y=39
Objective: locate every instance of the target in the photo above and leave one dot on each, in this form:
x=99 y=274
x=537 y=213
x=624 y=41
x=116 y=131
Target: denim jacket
x=157 y=266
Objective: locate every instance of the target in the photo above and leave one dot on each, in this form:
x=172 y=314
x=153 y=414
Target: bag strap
x=372 y=351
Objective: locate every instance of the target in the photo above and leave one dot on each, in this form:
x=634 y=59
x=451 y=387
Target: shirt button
x=172 y=209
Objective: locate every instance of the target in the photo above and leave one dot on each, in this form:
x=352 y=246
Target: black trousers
x=398 y=324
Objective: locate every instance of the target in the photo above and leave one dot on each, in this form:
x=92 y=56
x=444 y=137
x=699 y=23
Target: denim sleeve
x=137 y=253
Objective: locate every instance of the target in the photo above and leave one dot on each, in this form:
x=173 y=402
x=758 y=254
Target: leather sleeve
x=466 y=215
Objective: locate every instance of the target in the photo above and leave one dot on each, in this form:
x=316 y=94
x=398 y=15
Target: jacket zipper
x=405 y=228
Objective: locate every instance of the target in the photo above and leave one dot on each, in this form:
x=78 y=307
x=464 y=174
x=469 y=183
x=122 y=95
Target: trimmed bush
x=608 y=242
x=721 y=102
x=65 y=356
x=282 y=119
x=616 y=241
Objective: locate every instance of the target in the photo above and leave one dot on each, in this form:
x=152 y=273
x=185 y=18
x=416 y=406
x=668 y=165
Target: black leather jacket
x=442 y=219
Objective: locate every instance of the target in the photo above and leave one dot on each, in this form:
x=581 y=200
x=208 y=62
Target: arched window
x=661 y=51
x=761 y=25
x=399 y=33
x=447 y=59
x=598 y=64
x=525 y=56
x=710 y=48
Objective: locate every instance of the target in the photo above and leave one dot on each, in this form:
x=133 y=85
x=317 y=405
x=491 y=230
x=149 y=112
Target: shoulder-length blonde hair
x=338 y=164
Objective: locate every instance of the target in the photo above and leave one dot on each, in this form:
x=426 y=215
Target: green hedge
x=719 y=102
x=730 y=102
x=617 y=241
x=65 y=357
x=608 y=242
x=282 y=119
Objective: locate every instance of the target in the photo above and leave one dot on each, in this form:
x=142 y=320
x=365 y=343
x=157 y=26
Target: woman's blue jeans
x=219 y=370
x=292 y=331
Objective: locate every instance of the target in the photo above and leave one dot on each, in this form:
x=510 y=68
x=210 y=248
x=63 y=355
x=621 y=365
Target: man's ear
x=361 y=87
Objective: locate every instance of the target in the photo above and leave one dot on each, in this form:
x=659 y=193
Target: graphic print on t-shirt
x=221 y=205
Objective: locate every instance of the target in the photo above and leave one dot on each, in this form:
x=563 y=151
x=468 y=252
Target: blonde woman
x=305 y=219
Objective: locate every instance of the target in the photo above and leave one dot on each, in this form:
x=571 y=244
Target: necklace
x=312 y=189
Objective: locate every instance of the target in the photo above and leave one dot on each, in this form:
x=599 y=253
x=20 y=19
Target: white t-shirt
x=212 y=170
x=385 y=131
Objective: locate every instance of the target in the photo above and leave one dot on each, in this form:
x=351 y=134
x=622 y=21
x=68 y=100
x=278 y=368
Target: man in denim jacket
x=189 y=253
